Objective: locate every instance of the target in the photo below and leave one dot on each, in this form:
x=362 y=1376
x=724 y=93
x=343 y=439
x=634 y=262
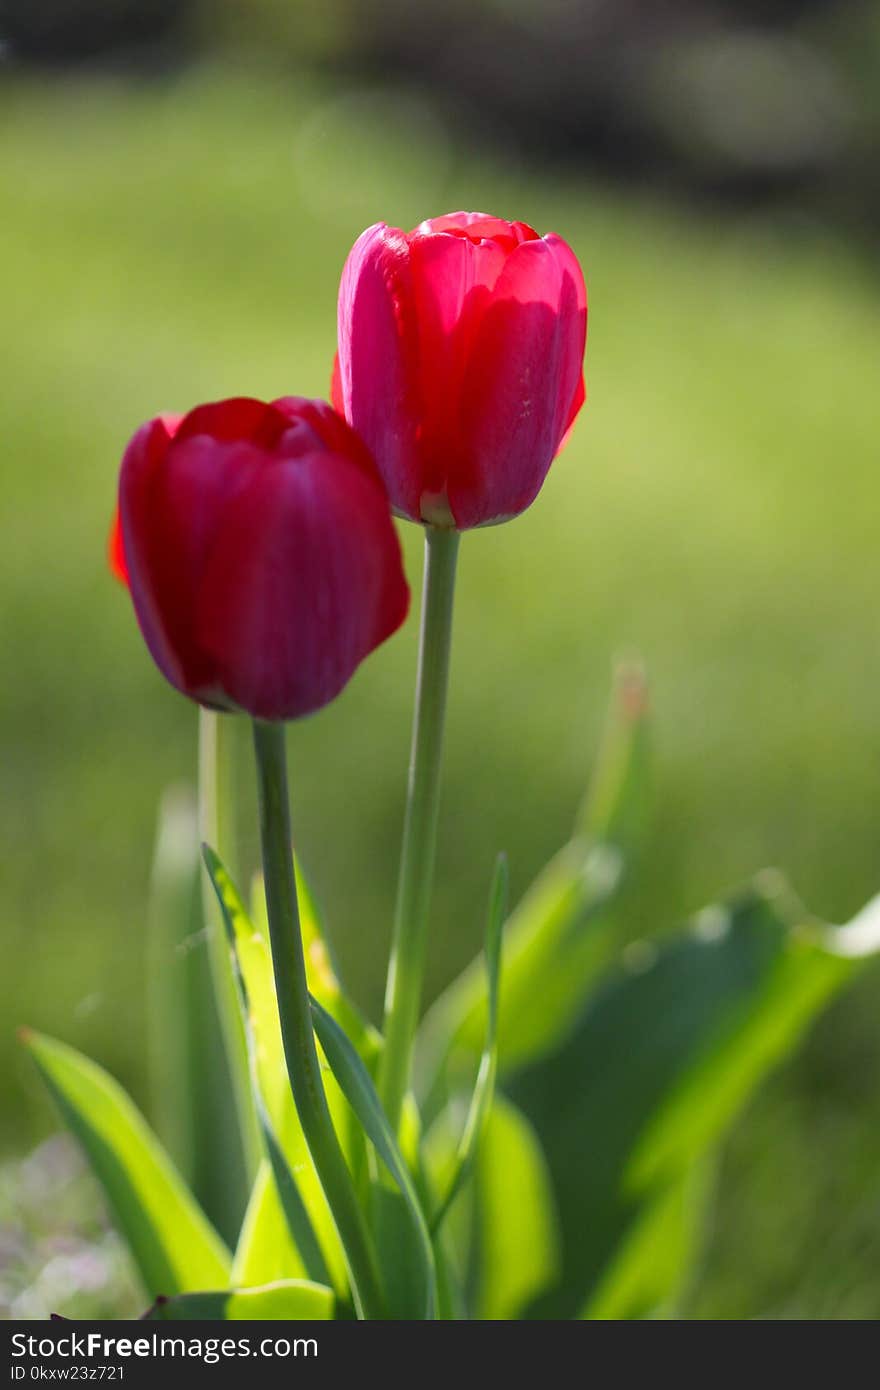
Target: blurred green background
x=174 y=231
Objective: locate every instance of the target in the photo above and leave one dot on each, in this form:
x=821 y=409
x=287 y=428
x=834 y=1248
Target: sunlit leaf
x=174 y=1246
x=322 y=971
x=266 y=1251
x=291 y=1300
x=514 y=1253
x=309 y=1220
x=322 y=976
x=357 y=1085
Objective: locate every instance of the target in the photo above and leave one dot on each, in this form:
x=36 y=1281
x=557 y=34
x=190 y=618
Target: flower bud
x=460 y=362
x=259 y=549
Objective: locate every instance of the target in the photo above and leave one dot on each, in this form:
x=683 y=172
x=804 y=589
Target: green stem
x=300 y=1053
x=407 y=965
x=217 y=802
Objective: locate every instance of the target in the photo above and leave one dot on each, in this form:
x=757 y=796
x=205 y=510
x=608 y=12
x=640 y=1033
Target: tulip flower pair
x=260 y=557
x=258 y=545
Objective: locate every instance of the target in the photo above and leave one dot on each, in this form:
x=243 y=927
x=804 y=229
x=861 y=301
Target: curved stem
x=217 y=802
x=303 y=1068
x=407 y=965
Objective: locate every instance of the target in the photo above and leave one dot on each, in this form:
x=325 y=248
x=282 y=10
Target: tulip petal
x=170 y=492
x=520 y=385
x=377 y=384
x=479 y=226
x=143 y=458
x=453 y=279
x=116 y=550
x=241 y=417
x=315 y=425
x=293 y=596
x=572 y=272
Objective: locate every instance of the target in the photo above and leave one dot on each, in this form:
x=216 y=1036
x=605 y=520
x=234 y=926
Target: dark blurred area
x=754 y=101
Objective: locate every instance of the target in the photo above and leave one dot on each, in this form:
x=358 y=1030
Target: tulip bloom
x=460 y=362
x=258 y=546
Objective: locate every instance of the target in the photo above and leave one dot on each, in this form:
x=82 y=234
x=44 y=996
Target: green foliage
x=633 y=1071
x=578 y=1194
x=310 y=1226
x=568 y=925
x=515 y=1240
x=484 y=1088
x=660 y=1063
x=174 y=1247
x=322 y=970
x=188 y=1073
x=628 y=1111
x=583 y=1198
x=268 y=1249
x=284 y=1301
x=357 y=1085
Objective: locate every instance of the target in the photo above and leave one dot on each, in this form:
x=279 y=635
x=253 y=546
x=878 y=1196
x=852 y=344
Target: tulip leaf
x=500 y=1239
x=358 y=1087
x=322 y=975
x=650 y=1268
x=266 y=1251
x=514 y=1253
x=616 y=808
x=190 y=1080
x=290 y=1300
x=632 y=1106
x=566 y=929
x=175 y=1248
x=322 y=971
x=484 y=1089
x=310 y=1223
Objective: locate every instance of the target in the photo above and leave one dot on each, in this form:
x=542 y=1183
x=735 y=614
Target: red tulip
x=260 y=553
x=460 y=362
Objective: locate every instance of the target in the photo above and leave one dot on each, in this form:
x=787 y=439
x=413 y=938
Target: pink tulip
x=460 y=362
